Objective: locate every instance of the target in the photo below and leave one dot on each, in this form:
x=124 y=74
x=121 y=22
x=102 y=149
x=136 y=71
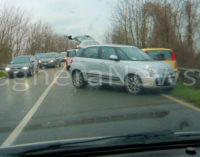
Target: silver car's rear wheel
x=133 y=84
x=78 y=80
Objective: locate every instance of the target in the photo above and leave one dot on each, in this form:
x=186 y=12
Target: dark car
x=22 y=65
x=38 y=56
x=62 y=56
x=49 y=60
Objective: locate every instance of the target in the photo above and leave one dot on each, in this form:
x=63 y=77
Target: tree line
x=159 y=23
x=19 y=35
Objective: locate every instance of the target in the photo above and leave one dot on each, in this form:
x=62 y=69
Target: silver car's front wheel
x=133 y=84
x=78 y=80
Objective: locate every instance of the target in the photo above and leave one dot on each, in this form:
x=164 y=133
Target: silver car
x=120 y=65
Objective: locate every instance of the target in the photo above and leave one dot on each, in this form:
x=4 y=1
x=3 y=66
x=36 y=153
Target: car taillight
x=173 y=56
x=174 y=59
x=71 y=61
x=66 y=59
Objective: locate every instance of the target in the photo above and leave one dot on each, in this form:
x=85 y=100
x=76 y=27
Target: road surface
x=42 y=110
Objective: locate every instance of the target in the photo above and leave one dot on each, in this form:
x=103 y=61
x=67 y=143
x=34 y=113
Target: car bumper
x=47 y=64
x=18 y=73
x=159 y=82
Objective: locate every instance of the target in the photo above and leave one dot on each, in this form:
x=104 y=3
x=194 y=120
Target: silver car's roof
x=110 y=45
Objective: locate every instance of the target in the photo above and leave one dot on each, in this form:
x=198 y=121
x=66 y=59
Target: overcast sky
x=72 y=17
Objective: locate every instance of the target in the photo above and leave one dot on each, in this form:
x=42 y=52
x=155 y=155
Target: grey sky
x=75 y=17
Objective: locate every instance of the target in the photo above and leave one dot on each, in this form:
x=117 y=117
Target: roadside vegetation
x=159 y=24
x=2 y=74
x=187 y=93
x=19 y=35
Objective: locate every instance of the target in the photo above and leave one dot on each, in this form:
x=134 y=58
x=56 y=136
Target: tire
x=133 y=84
x=78 y=80
x=31 y=73
x=68 y=67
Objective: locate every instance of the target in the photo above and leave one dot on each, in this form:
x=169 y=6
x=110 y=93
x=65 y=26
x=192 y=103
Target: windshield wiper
x=136 y=141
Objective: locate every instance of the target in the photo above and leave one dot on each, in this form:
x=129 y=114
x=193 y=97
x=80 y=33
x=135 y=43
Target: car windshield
x=160 y=54
x=19 y=60
x=80 y=69
x=50 y=55
x=135 y=54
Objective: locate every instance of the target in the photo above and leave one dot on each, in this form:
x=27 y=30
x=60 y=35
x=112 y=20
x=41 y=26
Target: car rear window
x=160 y=54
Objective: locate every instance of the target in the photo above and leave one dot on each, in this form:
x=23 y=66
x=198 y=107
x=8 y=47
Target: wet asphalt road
x=68 y=113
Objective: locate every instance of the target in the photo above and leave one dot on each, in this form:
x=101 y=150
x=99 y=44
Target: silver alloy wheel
x=133 y=84
x=78 y=80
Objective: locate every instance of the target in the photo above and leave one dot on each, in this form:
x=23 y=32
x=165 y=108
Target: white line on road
x=15 y=133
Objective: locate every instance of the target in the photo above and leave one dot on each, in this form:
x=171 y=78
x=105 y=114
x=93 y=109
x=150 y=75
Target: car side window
x=79 y=53
x=122 y=55
x=91 y=52
x=106 y=52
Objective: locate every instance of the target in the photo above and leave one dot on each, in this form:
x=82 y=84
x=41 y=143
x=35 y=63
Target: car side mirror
x=114 y=57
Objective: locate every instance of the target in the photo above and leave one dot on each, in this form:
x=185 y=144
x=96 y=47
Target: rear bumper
x=47 y=64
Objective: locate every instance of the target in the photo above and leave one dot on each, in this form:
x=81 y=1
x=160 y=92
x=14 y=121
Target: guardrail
x=190 y=76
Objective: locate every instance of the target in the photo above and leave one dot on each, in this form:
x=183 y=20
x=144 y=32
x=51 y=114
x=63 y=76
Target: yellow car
x=163 y=54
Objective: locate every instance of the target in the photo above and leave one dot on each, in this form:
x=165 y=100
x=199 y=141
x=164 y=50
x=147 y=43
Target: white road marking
x=16 y=132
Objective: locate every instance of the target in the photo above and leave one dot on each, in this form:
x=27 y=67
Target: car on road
x=62 y=56
x=50 y=59
x=69 y=57
x=22 y=65
x=120 y=65
x=37 y=56
x=163 y=54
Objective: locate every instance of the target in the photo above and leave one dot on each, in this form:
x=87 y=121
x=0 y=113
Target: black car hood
x=18 y=65
x=46 y=59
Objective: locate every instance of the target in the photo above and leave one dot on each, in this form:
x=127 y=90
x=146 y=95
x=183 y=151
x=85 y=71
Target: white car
x=120 y=65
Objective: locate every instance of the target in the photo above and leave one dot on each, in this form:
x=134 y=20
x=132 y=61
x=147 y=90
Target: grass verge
x=2 y=74
x=187 y=93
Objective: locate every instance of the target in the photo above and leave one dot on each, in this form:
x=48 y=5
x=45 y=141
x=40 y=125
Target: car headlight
x=25 y=68
x=7 y=69
x=39 y=61
x=52 y=61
